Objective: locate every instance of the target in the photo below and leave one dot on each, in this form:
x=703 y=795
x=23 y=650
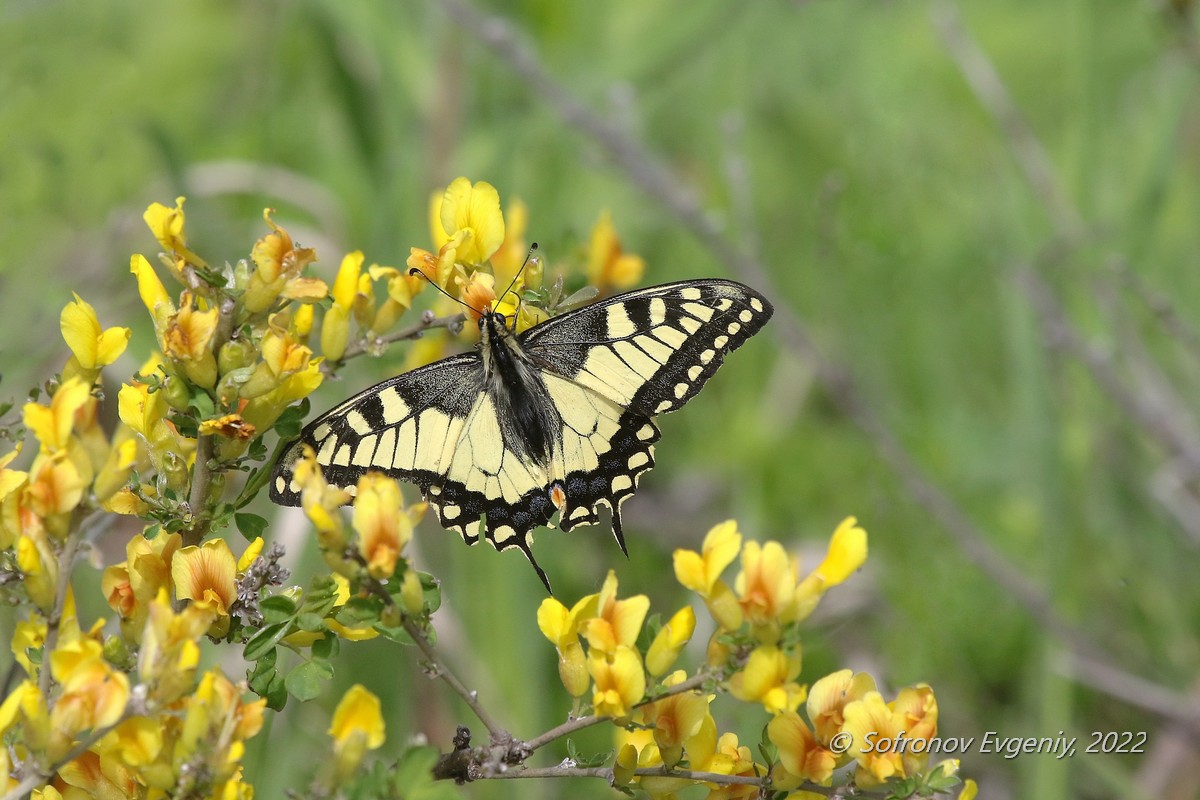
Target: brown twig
x=427 y=322
x=579 y=723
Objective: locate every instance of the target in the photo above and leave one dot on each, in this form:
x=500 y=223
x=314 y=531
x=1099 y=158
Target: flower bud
x=235 y=354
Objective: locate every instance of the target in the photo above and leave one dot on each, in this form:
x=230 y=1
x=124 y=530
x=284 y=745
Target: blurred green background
x=838 y=142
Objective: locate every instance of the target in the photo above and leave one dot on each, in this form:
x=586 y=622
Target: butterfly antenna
x=532 y=249
x=433 y=283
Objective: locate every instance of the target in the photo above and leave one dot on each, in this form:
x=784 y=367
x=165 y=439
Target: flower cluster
x=668 y=738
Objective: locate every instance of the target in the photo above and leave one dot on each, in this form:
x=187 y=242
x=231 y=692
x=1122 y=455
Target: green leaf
x=432 y=589
x=251 y=525
x=264 y=640
x=326 y=648
x=304 y=682
x=277 y=608
x=359 y=610
x=277 y=693
x=290 y=421
x=310 y=622
x=412 y=777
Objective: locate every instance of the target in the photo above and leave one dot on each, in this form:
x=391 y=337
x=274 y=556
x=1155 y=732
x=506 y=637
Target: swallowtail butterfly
x=558 y=419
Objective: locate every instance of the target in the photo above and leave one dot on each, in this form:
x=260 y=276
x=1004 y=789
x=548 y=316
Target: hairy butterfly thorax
x=549 y=424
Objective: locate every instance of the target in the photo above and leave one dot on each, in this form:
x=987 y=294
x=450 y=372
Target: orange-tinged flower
x=609 y=267
x=670 y=640
x=675 y=718
x=207 y=575
x=383 y=524
x=617 y=622
x=92 y=346
x=479 y=295
x=56 y=487
x=190 y=333
x=766 y=588
x=231 y=426
x=769 y=678
x=800 y=755
x=474 y=211
x=620 y=681
x=105 y=779
x=278 y=264
x=869 y=721
x=357 y=727
x=915 y=709
x=93 y=696
x=828 y=697
x=701 y=572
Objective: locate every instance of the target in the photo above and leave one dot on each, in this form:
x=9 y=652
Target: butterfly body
x=558 y=419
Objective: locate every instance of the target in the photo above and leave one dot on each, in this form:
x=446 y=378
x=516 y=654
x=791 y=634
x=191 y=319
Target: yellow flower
x=215 y=726
x=56 y=487
x=769 y=678
x=93 y=695
x=90 y=776
x=609 y=267
x=136 y=741
x=724 y=756
x=801 y=757
x=278 y=264
x=869 y=721
x=37 y=562
x=383 y=524
x=701 y=572
x=169 y=654
x=28 y=636
x=969 y=790
x=916 y=712
x=188 y=339
x=617 y=622
x=828 y=698
x=510 y=256
x=675 y=719
x=262 y=411
x=357 y=727
x=474 y=212
x=562 y=627
x=670 y=640
x=620 y=681
x=52 y=424
x=847 y=552
x=348 y=633
x=150 y=288
x=207 y=575
x=92 y=347
x=230 y=426
x=167 y=225
x=335 y=328
x=766 y=588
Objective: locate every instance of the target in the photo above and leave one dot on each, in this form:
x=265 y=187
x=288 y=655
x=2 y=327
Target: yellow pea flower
x=769 y=678
x=675 y=719
x=871 y=715
x=93 y=695
x=169 y=654
x=89 y=776
x=562 y=627
x=188 y=339
x=916 y=711
x=828 y=697
x=383 y=524
x=801 y=757
x=620 y=681
x=472 y=210
x=348 y=633
x=766 y=588
x=28 y=635
x=670 y=640
x=335 y=328
x=207 y=575
x=847 y=552
x=617 y=622
x=701 y=572
x=52 y=424
x=91 y=346
x=609 y=267
x=725 y=756
x=357 y=727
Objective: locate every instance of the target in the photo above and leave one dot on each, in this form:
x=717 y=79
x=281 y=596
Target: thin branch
x=427 y=322
x=579 y=723
x=201 y=469
x=497 y=734
x=660 y=184
x=1026 y=148
x=471 y=698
